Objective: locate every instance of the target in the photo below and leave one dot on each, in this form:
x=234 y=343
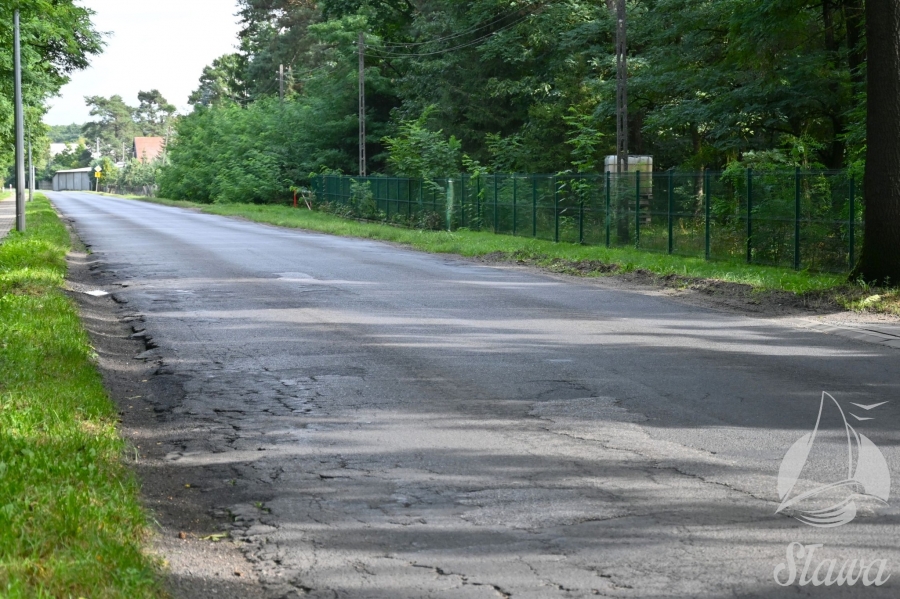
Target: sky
x=152 y=44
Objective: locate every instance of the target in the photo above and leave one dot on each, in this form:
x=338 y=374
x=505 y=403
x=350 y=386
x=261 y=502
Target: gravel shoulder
x=201 y=558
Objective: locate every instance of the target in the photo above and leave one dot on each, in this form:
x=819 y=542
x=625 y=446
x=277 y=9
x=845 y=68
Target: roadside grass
x=71 y=524
x=582 y=260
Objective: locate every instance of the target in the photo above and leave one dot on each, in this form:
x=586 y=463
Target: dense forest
x=521 y=86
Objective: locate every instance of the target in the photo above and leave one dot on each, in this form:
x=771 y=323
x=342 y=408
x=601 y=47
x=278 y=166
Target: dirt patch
x=188 y=534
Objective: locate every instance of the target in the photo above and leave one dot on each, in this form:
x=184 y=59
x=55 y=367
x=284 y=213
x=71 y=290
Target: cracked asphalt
x=369 y=421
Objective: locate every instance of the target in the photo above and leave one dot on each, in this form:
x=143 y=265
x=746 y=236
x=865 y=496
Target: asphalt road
x=409 y=425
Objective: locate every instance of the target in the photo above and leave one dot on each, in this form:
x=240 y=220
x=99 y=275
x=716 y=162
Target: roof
x=86 y=169
x=148 y=148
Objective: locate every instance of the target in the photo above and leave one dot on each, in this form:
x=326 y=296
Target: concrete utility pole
x=362 y=104
x=281 y=82
x=20 y=128
x=621 y=89
x=30 y=172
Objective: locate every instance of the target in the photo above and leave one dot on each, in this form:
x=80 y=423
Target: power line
x=474 y=42
x=455 y=35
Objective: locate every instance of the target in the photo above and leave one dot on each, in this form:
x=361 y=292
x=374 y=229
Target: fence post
x=749 y=215
x=608 y=202
x=852 y=223
x=797 y=218
x=637 y=209
x=462 y=201
x=708 y=193
x=478 y=199
x=515 y=192
x=533 y=205
x=671 y=206
x=496 y=228
x=581 y=215
x=555 y=210
x=408 y=197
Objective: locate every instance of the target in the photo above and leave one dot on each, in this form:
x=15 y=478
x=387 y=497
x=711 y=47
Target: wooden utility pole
x=362 y=104
x=20 y=127
x=621 y=89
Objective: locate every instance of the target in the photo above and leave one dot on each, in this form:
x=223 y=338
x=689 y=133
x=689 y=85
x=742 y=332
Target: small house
x=148 y=149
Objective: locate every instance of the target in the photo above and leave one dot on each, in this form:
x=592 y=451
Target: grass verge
x=582 y=260
x=71 y=524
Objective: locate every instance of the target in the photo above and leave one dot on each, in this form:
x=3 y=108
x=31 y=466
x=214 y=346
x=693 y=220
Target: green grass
x=581 y=260
x=71 y=524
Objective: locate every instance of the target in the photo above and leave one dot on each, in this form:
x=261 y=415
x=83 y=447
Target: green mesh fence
x=803 y=220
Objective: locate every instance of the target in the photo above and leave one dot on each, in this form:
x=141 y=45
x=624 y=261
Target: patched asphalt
x=370 y=421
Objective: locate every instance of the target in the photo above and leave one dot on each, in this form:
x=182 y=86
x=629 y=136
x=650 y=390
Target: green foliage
x=221 y=82
x=529 y=86
x=64 y=134
x=58 y=38
x=420 y=153
x=138 y=173
x=153 y=114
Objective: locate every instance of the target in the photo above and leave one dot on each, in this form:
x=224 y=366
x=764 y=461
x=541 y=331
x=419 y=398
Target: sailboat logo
x=822 y=454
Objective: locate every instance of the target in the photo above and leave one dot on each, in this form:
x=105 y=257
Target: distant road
x=387 y=423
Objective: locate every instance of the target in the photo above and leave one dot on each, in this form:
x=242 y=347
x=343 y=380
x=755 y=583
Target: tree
x=58 y=39
x=115 y=125
x=153 y=114
x=222 y=81
x=880 y=260
x=64 y=134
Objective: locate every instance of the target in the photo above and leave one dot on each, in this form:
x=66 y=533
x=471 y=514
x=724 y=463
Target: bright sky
x=153 y=44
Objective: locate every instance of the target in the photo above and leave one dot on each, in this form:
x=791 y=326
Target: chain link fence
x=797 y=219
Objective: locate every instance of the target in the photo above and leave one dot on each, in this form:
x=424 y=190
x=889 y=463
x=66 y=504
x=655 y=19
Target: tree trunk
x=880 y=261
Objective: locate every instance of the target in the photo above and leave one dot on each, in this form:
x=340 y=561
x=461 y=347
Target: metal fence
x=803 y=220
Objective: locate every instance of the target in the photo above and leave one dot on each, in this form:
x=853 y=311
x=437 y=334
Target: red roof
x=148 y=148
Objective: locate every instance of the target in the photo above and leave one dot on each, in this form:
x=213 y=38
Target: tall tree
x=880 y=260
x=221 y=82
x=115 y=124
x=153 y=113
x=58 y=39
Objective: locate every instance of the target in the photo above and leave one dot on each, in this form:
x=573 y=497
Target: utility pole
x=281 y=82
x=20 y=128
x=621 y=89
x=362 y=104
x=30 y=172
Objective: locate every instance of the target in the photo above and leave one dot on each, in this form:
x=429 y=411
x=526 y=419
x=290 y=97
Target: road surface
x=378 y=422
